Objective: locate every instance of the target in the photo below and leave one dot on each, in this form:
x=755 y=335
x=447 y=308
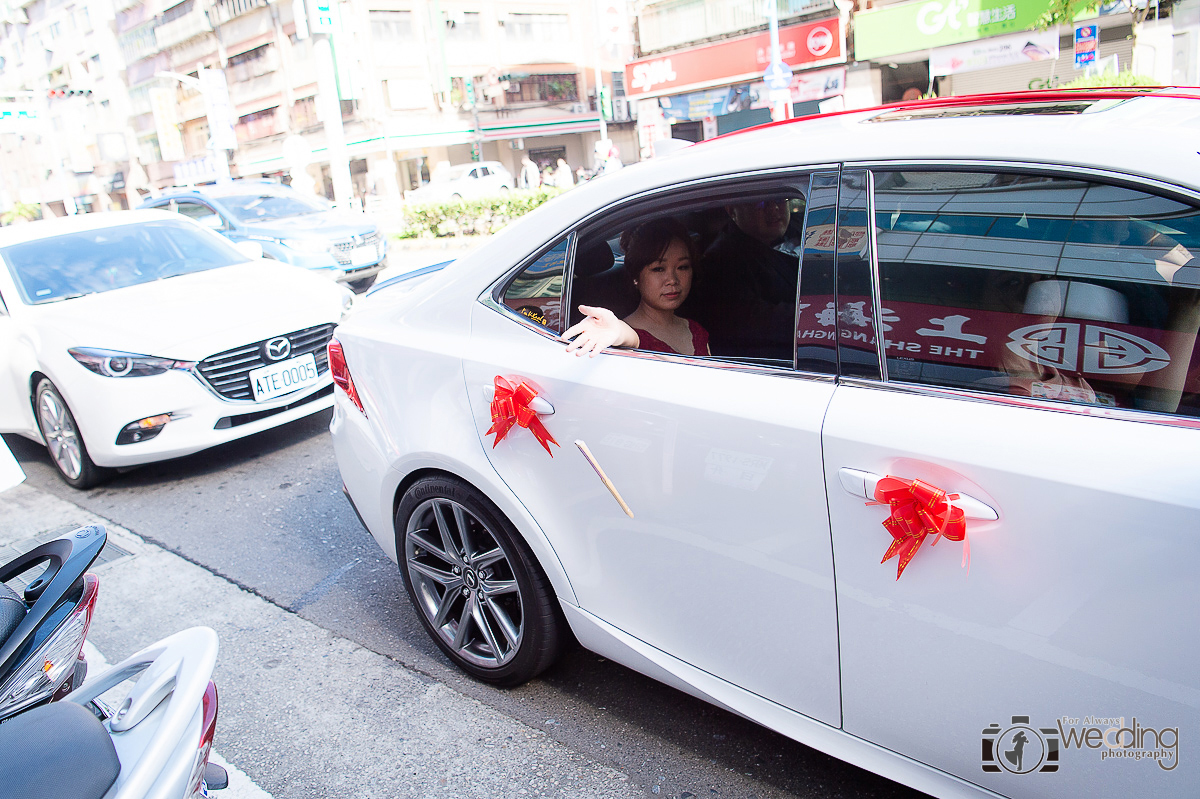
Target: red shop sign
x=745 y=58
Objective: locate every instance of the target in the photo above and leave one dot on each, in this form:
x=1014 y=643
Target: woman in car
x=659 y=257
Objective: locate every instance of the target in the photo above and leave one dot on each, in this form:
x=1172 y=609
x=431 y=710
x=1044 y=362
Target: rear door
x=724 y=561
x=1039 y=331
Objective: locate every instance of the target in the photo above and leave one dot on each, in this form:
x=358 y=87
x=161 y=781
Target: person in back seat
x=746 y=282
x=659 y=259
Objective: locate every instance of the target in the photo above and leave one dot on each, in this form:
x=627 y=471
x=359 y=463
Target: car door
x=723 y=560
x=1039 y=330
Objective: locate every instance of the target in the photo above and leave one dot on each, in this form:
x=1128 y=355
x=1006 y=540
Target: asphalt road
x=267 y=514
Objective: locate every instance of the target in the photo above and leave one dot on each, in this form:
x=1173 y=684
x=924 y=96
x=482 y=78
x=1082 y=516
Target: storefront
x=977 y=46
x=700 y=92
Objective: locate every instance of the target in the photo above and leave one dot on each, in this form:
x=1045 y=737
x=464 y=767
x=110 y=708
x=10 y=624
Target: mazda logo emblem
x=277 y=348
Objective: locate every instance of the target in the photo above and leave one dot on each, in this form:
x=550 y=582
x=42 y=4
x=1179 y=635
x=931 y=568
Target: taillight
x=341 y=373
x=53 y=662
x=196 y=786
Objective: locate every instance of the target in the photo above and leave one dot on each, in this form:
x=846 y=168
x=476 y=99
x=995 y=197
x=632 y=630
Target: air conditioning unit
x=622 y=110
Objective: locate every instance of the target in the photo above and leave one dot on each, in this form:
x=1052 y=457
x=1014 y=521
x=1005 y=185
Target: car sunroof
x=1010 y=109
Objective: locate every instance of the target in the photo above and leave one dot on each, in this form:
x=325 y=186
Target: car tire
x=61 y=433
x=483 y=598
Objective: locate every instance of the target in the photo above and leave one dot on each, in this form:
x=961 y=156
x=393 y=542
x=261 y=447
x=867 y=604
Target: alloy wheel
x=464 y=583
x=62 y=438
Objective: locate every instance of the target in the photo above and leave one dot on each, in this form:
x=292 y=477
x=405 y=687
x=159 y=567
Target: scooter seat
x=12 y=611
x=56 y=751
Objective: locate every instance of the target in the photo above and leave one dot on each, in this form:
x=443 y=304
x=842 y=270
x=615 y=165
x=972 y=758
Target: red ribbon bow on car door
x=510 y=406
x=918 y=511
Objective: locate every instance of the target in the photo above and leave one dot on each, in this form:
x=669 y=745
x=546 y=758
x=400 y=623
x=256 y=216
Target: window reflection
x=1040 y=286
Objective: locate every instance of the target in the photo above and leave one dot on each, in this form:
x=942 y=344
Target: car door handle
x=862 y=484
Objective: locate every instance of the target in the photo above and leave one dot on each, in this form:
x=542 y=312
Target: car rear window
x=94 y=261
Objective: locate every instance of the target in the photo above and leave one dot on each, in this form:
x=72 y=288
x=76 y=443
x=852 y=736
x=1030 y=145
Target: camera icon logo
x=1020 y=748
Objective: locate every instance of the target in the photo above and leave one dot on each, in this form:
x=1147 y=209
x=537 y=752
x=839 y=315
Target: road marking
x=322 y=588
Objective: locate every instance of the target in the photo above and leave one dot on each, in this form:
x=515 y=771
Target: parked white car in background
x=997 y=307
x=132 y=337
x=464 y=182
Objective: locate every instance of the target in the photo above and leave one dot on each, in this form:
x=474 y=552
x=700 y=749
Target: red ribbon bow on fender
x=918 y=511
x=510 y=406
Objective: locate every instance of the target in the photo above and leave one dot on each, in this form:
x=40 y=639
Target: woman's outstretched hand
x=599 y=330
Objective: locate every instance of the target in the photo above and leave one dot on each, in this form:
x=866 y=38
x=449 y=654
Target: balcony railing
x=224 y=10
x=177 y=31
x=678 y=22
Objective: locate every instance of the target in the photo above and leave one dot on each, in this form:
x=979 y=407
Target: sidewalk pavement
x=303 y=712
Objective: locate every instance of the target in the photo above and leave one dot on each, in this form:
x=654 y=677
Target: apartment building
x=406 y=73
x=64 y=110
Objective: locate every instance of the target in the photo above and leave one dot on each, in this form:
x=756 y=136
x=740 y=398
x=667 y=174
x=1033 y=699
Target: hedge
x=478 y=217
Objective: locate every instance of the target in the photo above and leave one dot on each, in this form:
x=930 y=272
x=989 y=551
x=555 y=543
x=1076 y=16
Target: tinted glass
x=816 y=323
x=95 y=261
x=1040 y=286
x=858 y=355
x=200 y=212
x=265 y=207
x=536 y=291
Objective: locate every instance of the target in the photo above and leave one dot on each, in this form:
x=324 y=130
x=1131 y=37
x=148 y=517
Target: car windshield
x=264 y=207
x=95 y=261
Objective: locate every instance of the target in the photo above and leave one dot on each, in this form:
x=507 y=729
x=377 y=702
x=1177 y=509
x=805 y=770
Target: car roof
x=1151 y=134
x=226 y=189
x=47 y=228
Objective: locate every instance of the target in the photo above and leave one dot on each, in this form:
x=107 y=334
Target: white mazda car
x=133 y=337
x=899 y=455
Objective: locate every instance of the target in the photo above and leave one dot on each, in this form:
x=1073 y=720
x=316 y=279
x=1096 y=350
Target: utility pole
x=321 y=25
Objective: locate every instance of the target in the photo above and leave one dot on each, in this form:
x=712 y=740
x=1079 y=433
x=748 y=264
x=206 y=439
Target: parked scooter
x=42 y=631
x=154 y=746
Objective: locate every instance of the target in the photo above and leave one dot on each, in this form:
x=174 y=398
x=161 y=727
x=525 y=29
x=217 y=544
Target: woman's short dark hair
x=648 y=242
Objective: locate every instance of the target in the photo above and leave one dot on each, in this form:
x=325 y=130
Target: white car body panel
x=1075 y=601
x=187 y=318
x=926 y=663
x=713 y=462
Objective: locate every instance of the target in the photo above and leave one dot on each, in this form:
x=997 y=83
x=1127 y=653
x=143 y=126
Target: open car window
x=744 y=242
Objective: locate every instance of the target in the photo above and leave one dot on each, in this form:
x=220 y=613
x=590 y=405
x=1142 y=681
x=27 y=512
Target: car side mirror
x=213 y=221
x=251 y=249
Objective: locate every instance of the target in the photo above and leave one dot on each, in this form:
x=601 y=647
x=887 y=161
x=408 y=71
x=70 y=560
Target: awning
x=519 y=129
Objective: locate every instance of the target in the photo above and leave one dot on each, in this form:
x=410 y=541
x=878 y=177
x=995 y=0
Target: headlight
x=347 y=304
x=307 y=245
x=124 y=364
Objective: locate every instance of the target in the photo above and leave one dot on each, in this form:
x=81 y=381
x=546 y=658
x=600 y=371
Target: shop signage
x=1087 y=40
x=1002 y=51
x=923 y=24
x=742 y=59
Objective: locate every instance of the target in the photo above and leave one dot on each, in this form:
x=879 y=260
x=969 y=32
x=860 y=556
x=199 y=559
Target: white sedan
x=133 y=337
x=900 y=454
x=464 y=181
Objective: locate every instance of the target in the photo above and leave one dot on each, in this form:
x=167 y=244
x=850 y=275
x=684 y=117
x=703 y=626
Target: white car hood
x=191 y=317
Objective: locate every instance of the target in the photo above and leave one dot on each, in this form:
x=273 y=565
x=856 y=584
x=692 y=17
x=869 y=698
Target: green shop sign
x=932 y=23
